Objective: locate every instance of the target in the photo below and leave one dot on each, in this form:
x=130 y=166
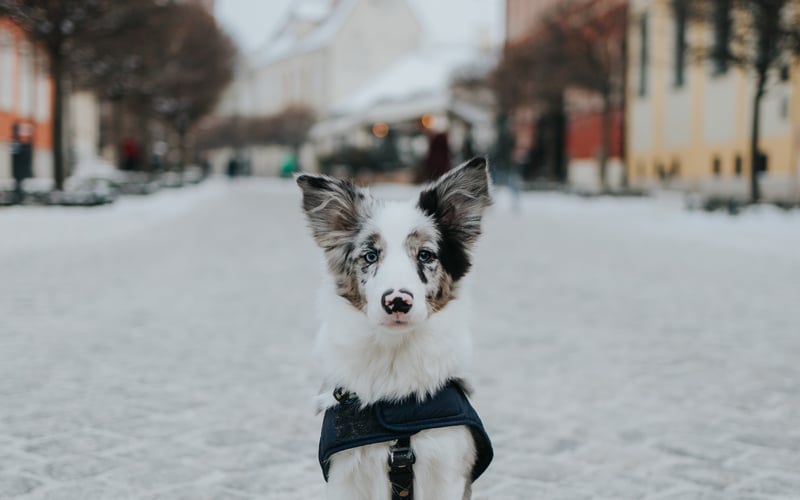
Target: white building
x=321 y=52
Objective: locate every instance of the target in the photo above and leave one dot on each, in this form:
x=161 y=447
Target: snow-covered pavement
x=625 y=349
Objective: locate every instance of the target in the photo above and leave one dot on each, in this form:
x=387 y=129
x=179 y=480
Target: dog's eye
x=424 y=256
x=371 y=257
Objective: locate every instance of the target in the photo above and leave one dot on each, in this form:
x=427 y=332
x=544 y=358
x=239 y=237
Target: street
x=159 y=348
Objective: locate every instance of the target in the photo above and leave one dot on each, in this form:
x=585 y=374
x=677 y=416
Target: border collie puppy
x=395 y=341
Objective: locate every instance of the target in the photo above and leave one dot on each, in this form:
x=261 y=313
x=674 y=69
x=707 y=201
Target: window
x=679 y=58
x=6 y=65
x=644 y=50
x=675 y=169
x=785 y=72
x=720 y=50
x=42 y=91
x=716 y=166
x=762 y=162
x=737 y=165
x=27 y=79
x=661 y=172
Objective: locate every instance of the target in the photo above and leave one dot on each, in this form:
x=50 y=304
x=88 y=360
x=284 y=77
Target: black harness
x=347 y=426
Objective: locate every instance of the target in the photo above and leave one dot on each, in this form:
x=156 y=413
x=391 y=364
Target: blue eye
x=424 y=256
x=371 y=257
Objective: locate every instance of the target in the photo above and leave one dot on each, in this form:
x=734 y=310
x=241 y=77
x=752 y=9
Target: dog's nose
x=397 y=302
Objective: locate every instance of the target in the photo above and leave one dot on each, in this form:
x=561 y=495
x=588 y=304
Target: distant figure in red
x=130 y=154
x=438 y=160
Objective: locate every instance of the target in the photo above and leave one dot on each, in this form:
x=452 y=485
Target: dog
x=394 y=344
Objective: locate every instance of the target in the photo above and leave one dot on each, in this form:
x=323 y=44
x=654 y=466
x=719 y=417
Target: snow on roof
x=415 y=85
x=287 y=42
x=424 y=72
x=311 y=11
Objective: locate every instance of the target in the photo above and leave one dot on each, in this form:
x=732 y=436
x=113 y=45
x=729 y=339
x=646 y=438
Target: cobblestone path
x=159 y=349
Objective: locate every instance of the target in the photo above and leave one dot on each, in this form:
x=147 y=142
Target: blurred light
x=427 y=121
x=380 y=129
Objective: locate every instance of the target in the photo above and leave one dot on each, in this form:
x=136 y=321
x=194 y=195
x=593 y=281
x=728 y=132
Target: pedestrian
x=130 y=154
x=233 y=167
x=289 y=166
x=506 y=163
x=437 y=162
x=468 y=145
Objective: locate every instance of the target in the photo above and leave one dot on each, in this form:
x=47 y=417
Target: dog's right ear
x=334 y=208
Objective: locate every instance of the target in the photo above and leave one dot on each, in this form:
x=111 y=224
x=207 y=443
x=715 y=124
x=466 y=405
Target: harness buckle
x=401 y=457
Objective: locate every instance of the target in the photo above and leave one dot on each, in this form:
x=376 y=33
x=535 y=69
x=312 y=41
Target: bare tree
x=530 y=76
x=577 y=44
x=529 y=73
x=289 y=127
x=116 y=59
x=587 y=42
x=760 y=37
x=168 y=61
x=57 y=25
x=195 y=66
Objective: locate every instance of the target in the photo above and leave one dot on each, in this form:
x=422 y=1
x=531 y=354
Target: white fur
x=355 y=351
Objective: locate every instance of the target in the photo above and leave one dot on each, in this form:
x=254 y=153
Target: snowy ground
x=627 y=349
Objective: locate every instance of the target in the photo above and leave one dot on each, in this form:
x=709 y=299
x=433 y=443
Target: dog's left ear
x=459 y=197
x=457 y=202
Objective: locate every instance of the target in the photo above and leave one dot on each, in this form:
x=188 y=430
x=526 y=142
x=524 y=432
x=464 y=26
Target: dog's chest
x=444 y=462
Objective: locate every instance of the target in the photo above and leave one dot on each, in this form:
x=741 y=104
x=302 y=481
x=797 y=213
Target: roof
x=424 y=72
x=415 y=85
x=328 y=18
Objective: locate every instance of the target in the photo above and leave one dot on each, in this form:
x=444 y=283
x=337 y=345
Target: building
x=411 y=100
x=563 y=141
x=690 y=121
x=321 y=52
x=25 y=99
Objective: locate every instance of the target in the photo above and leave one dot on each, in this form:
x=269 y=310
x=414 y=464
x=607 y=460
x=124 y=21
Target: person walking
x=506 y=166
x=437 y=162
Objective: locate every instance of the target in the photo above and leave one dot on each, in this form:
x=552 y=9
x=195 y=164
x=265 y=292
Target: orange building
x=25 y=98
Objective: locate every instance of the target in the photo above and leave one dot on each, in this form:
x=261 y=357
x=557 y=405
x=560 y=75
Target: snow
x=311 y=11
x=416 y=84
x=159 y=348
x=423 y=72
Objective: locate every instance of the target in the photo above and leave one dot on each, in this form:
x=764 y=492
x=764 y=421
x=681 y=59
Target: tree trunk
x=181 y=150
x=145 y=143
x=116 y=125
x=605 y=147
x=755 y=193
x=623 y=96
x=57 y=119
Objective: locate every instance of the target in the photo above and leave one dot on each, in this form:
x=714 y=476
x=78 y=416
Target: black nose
x=397 y=302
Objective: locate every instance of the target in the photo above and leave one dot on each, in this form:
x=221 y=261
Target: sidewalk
x=160 y=348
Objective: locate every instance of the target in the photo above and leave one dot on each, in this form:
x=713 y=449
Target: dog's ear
x=334 y=208
x=457 y=202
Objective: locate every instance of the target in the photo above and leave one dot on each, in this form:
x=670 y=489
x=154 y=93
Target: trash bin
x=21 y=154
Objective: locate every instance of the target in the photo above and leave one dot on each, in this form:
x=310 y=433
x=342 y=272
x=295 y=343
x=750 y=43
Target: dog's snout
x=397 y=301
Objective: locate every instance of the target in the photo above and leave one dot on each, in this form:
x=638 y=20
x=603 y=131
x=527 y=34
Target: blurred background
x=635 y=290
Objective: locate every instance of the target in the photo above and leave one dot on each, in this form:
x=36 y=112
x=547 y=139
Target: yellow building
x=689 y=121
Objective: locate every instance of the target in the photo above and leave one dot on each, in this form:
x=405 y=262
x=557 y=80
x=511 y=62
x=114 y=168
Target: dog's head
x=398 y=262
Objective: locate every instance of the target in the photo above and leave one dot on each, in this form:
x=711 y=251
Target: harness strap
x=401 y=473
